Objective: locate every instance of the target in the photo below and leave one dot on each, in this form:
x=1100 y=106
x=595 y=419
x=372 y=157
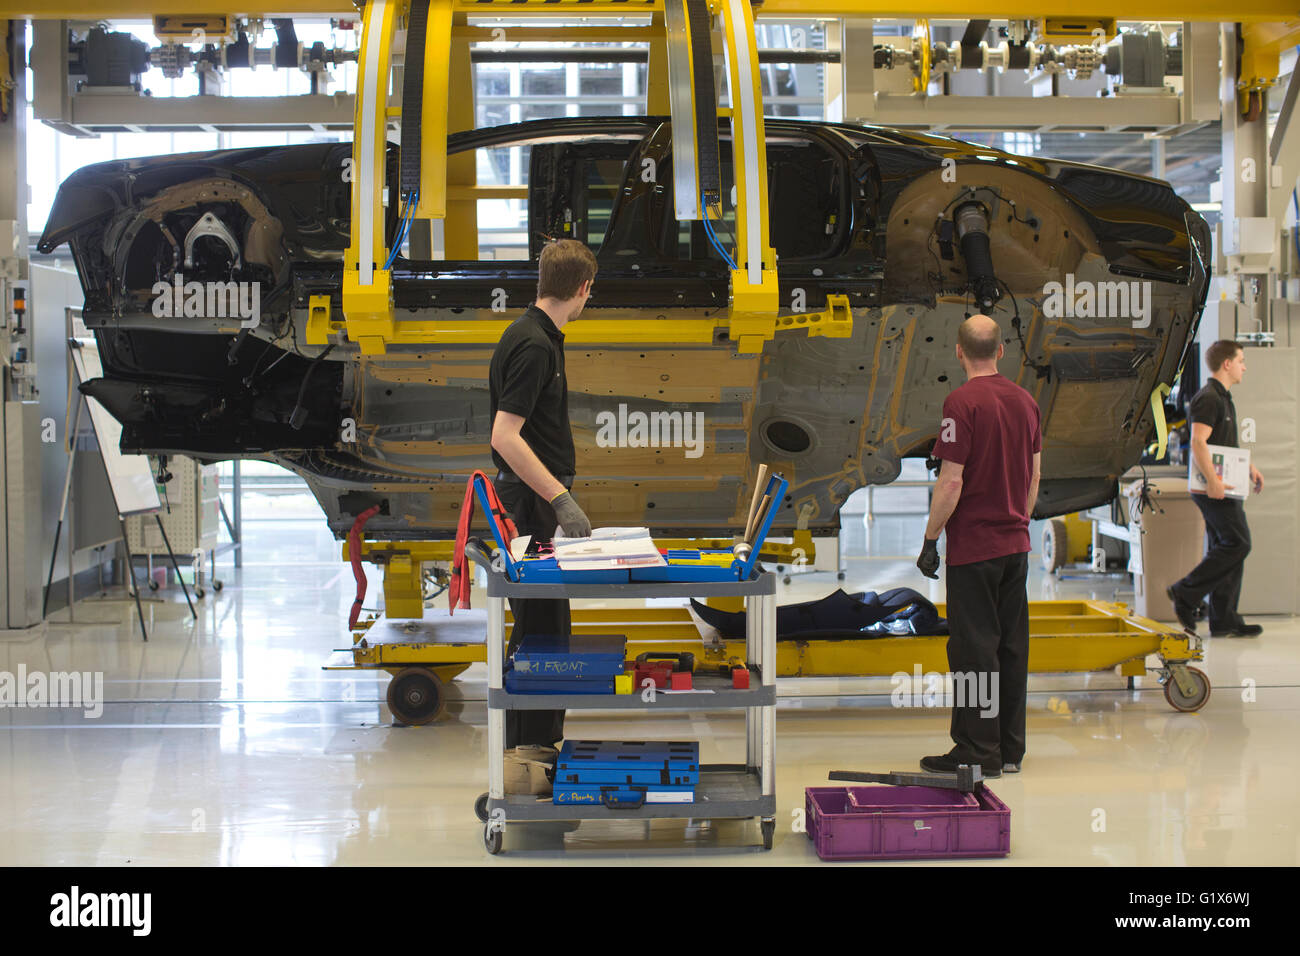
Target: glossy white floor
x=222 y=742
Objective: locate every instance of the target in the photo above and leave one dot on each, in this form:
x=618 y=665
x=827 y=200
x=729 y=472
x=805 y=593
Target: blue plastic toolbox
x=620 y=797
x=516 y=683
x=672 y=763
x=578 y=655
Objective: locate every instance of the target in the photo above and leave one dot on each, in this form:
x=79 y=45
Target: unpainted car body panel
x=854 y=211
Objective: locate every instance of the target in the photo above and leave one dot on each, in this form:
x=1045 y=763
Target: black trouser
x=1227 y=542
x=534 y=516
x=988 y=628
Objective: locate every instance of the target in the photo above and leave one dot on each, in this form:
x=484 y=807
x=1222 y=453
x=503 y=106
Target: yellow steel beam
x=1261 y=46
x=367 y=286
x=320 y=326
x=460 y=228
x=418 y=550
x=1113 y=637
x=657 y=103
x=754 y=281
x=627 y=330
x=403 y=587
x=433 y=118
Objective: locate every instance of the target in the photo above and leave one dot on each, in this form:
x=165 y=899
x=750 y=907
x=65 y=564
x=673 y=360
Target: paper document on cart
x=608 y=549
x=1232 y=465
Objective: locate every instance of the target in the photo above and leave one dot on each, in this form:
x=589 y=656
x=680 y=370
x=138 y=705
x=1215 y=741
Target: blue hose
x=713 y=238
x=402 y=229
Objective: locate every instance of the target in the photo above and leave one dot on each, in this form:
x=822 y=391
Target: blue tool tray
x=576 y=656
x=620 y=797
x=680 y=568
x=658 y=762
x=516 y=683
x=548 y=570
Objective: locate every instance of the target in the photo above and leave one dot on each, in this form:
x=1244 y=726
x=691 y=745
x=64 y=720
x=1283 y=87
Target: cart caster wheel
x=153 y=585
x=480 y=807
x=415 y=696
x=841 y=576
x=1188 y=704
x=217 y=585
x=199 y=592
x=769 y=830
x=780 y=567
x=493 y=838
x=786 y=579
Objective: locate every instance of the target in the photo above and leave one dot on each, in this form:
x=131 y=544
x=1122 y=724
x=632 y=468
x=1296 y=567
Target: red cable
x=354 y=556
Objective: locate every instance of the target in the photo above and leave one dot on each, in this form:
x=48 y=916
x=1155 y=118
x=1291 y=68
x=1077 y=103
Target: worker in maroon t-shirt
x=990 y=442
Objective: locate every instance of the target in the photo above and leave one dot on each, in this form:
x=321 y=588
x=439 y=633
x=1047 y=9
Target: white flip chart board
x=129 y=476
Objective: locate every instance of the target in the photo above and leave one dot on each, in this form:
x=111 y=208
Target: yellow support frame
x=367 y=287
x=432 y=203
x=1064 y=636
x=754 y=294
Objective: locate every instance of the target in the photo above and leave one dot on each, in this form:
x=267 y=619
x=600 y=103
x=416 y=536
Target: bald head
x=978 y=337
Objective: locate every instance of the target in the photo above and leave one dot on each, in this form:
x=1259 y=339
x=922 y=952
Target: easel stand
x=121 y=521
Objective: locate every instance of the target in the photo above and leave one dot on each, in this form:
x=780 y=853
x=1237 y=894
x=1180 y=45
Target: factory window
x=603 y=179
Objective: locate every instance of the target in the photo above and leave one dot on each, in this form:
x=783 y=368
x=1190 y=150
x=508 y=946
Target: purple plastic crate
x=886 y=799
x=840 y=832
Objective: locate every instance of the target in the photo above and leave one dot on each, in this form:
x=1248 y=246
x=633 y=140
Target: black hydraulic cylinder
x=973 y=237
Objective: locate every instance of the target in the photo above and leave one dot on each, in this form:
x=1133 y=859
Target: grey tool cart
x=725 y=791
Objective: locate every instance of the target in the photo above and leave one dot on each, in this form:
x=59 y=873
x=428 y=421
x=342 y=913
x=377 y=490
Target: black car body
x=869 y=213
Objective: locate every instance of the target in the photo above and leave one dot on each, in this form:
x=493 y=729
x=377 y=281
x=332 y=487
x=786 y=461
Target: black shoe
x=1241 y=630
x=947 y=763
x=1185 y=611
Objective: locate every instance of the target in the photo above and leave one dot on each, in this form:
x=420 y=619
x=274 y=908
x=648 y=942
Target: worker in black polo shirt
x=532 y=445
x=990 y=442
x=1213 y=419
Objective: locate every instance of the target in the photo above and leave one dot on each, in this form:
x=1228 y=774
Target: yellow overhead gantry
x=447 y=190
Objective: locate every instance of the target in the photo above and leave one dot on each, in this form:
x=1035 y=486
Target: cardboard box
x=1232 y=465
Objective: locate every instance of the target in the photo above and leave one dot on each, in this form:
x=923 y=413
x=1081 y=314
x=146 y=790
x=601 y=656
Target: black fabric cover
x=838 y=616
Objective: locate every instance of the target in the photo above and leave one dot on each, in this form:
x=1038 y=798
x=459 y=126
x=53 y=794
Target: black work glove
x=573 y=521
x=928 y=562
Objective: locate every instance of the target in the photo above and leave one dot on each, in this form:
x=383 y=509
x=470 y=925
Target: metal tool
x=967 y=779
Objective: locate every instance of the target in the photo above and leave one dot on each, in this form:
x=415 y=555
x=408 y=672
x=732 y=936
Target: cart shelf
x=725 y=791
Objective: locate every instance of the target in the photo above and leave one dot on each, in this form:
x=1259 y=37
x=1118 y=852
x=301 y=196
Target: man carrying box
x=1213 y=419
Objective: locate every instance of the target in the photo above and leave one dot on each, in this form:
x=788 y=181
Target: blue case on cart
x=657 y=763
x=619 y=797
x=576 y=656
x=516 y=683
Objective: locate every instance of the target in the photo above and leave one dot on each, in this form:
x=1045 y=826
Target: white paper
x=1232 y=465
x=609 y=549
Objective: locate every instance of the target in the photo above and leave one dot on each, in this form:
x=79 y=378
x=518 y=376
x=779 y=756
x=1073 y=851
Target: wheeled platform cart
x=725 y=791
